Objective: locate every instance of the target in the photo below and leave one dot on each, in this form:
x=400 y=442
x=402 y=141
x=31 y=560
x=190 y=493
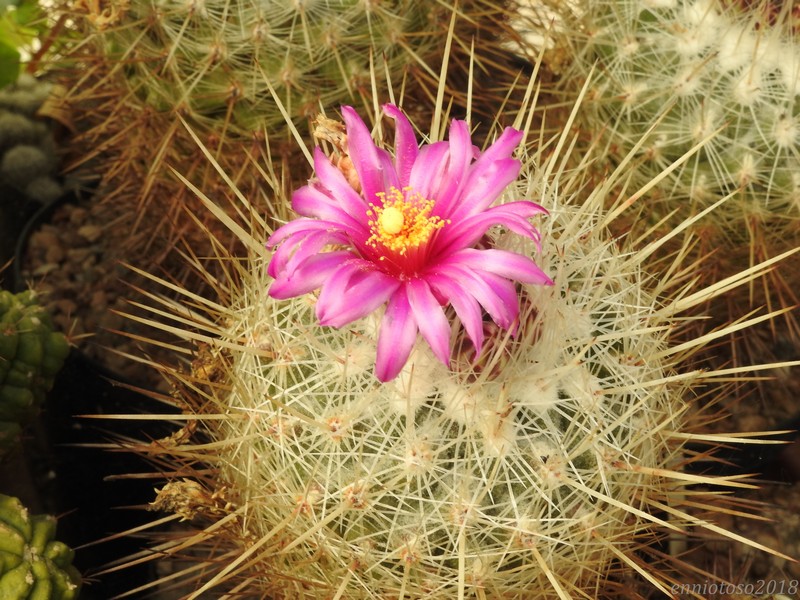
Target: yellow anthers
x=403 y=221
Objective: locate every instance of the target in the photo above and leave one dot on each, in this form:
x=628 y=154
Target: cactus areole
x=405 y=236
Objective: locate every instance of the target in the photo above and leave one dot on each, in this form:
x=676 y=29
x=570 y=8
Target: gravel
x=73 y=259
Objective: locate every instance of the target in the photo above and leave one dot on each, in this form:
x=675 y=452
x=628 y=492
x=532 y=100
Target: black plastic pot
x=69 y=475
x=82 y=483
x=15 y=212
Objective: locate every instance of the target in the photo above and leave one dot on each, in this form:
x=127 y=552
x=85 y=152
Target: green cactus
x=533 y=473
x=214 y=57
x=28 y=161
x=33 y=565
x=31 y=354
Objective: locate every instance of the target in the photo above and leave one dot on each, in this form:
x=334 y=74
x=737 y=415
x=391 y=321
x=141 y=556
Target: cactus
x=31 y=354
x=28 y=161
x=684 y=71
x=537 y=469
x=688 y=69
x=34 y=565
x=214 y=61
x=234 y=67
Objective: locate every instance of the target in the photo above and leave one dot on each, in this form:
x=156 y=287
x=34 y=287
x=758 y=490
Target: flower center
x=391 y=220
x=403 y=222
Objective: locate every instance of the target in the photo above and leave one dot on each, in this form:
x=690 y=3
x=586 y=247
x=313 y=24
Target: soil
x=771 y=405
x=71 y=256
x=63 y=465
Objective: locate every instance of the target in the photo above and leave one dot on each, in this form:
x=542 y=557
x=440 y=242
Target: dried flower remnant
x=406 y=237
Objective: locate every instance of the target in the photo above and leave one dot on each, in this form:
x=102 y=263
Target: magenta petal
x=364 y=155
x=310 y=246
x=309 y=276
x=496 y=294
x=430 y=317
x=405 y=144
x=461 y=152
x=340 y=189
x=396 y=337
x=507 y=307
x=502 y=147
x=502 y=263
x=512 y=215
x=302 y=226
x=333 y=295
x=390 y=178
x=312 y=202
x=484 y=185
x=428 y=171
x=301 y=245
x=336 y=308
x=466 y=307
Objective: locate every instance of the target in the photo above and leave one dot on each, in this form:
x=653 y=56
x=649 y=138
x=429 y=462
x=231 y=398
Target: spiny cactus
x=236 y=66
x=31 y=354
x=539 y=468
x=688 y=69
x=685 y=71
x=216 y=60
x=34 y=565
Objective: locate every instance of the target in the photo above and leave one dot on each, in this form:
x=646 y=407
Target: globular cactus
x=28 y=159
x=31 y=354
x=215 y=61
x=539 y=468
x=689 y=70
x=33 y=564
x=660 y=77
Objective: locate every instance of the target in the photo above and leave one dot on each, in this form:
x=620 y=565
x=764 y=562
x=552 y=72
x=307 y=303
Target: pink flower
x=407 y=239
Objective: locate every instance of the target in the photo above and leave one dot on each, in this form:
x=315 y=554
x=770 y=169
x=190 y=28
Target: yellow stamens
x=402 y=222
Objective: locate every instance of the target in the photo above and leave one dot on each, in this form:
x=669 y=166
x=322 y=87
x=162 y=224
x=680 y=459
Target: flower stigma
x=402 y=222
x=391 y=220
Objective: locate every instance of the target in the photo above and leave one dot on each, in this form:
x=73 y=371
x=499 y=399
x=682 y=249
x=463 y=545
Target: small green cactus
x=33 y=564
x=28 y=160
x=31 y=354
